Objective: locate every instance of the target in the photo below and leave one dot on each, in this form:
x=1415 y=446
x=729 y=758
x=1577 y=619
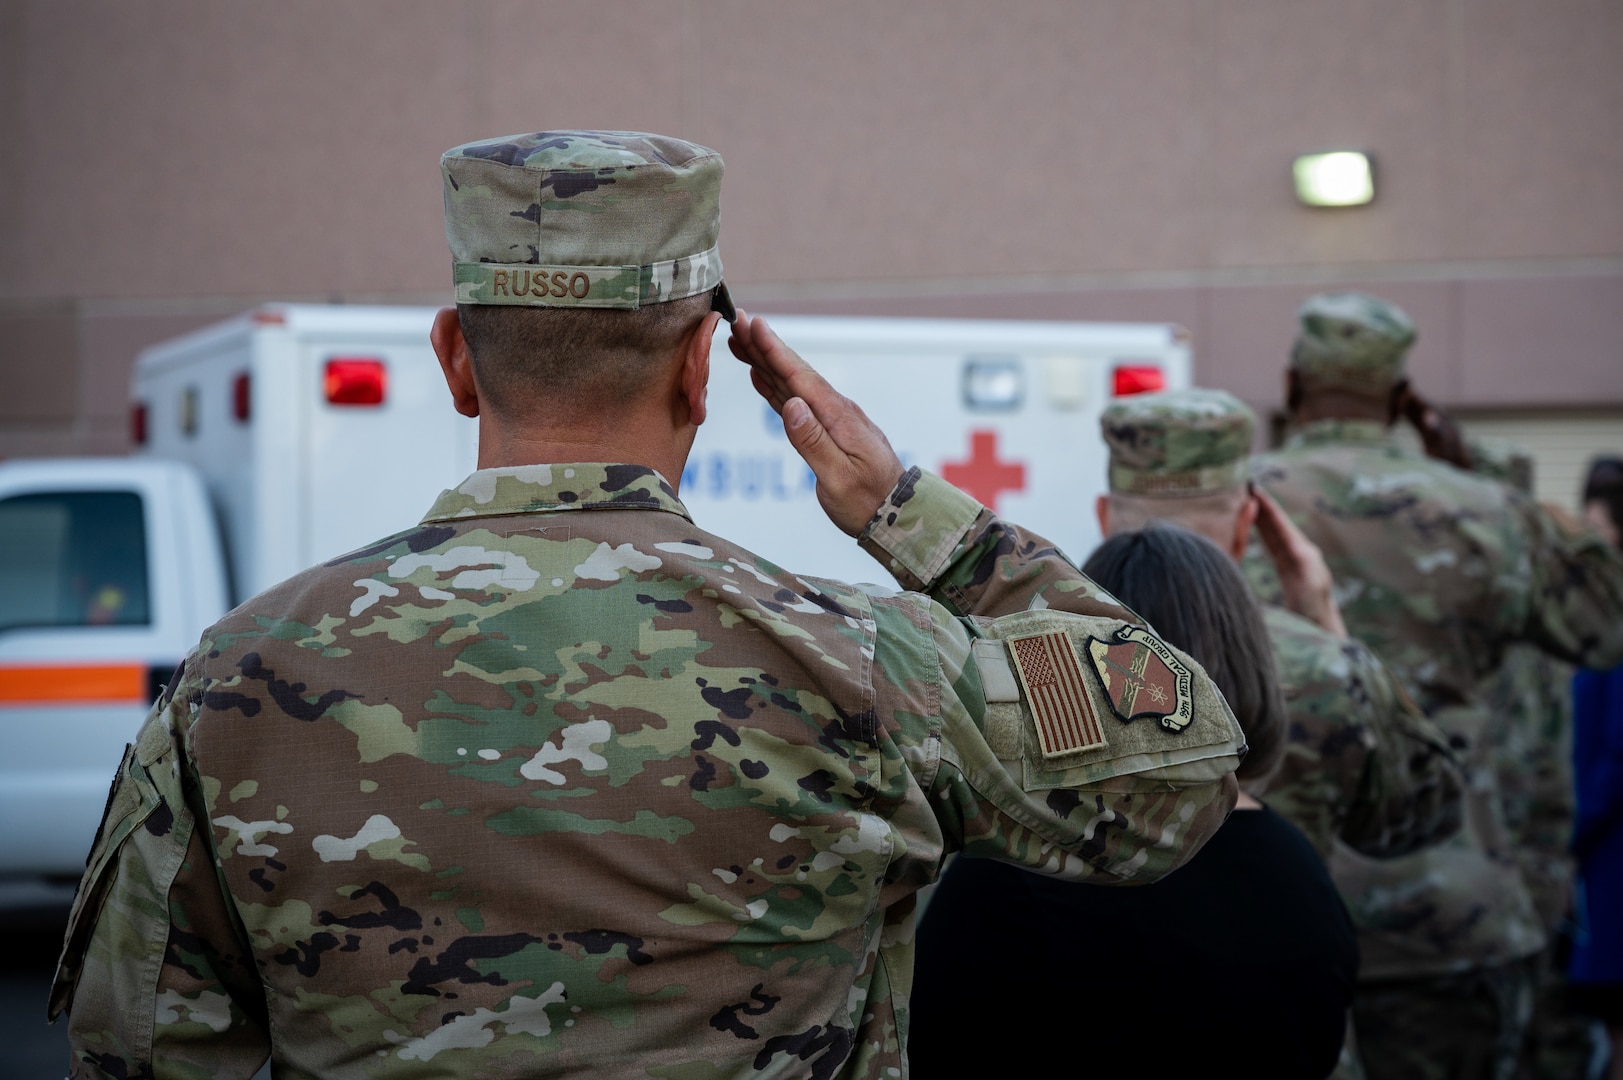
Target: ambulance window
x=993 y=382
x=73 y=558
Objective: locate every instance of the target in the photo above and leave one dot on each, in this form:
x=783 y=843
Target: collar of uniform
x=1322 y=432
x=529 y=489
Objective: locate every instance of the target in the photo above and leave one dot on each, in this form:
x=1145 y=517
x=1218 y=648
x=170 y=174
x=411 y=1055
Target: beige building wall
x=168 y=162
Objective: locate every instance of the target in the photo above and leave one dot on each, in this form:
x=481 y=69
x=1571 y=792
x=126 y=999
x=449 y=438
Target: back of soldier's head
x=1351 y=343
x=1181 y=456
x=1195 y=597
x=581 y=259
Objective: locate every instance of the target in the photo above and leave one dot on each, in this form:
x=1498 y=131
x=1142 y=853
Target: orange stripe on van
x=73 y=684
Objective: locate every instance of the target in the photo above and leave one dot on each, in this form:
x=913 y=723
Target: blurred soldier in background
x=1438 y=571
x=1529 y=738
x=1530 y=703
x=1361 y=763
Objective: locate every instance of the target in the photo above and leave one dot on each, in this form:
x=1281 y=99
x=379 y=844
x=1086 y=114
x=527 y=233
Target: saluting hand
x=1304 y=577
x=1440 y=437
x=855 y=466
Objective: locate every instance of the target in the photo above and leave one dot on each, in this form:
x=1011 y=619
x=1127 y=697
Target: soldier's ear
x=695 y=381
x=456 y=362
x=1101 y=508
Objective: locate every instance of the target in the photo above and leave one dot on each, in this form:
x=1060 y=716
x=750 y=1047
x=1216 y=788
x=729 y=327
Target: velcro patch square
x=1051 y=673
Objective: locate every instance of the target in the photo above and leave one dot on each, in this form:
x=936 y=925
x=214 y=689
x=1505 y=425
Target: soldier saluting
x=1437 y=571
x=1361 y=764
x=558 y=780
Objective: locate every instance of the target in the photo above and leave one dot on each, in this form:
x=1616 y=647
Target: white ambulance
x=295 y=433
x=1007 y=411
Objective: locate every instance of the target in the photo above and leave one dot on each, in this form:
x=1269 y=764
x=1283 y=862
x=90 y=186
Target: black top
x=1245 y=959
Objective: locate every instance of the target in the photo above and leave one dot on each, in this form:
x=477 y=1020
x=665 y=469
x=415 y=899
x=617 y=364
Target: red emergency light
x=138 y=423
x=1138 y=379
x=241 y=397
x=354 y=380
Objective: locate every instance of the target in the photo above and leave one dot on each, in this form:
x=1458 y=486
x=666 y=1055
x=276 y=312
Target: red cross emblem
x=983 y=475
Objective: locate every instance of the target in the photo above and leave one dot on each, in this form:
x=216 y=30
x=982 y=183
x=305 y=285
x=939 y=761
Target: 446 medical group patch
x=1143 y=678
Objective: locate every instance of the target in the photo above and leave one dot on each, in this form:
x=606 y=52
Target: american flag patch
x=1052 y=676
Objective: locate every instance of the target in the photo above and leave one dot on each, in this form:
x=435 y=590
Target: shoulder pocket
x=1078 y=700
x=131 y=801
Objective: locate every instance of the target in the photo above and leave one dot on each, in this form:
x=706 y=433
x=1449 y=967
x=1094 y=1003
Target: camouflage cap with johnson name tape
x=1180 y=443
x=1352 y=341
x=603 y=219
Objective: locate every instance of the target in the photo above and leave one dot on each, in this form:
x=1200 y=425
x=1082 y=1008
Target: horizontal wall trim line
x=903 y=288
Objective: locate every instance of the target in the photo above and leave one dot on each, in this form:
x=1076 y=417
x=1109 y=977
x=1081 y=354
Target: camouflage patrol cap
x=604 y=219
x=1352 y=341
x=1180 y=443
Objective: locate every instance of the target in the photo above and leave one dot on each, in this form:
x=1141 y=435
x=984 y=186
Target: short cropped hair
x=573 y=357
x=1194 y=596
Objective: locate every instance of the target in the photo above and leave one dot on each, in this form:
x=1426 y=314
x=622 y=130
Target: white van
x=264 y=444
x=108 y=568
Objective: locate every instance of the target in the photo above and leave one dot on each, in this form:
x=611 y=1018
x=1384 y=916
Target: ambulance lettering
x=720 y=474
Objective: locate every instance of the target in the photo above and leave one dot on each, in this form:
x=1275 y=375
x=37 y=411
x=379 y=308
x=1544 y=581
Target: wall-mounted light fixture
x=1337 y=178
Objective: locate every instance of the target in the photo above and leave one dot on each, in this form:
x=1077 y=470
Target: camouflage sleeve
x=936 y=539
x=1529 y=739
x=1362 y=765
x=1065 y=738
x=1131 y=801
x=156 y=975
x=1409 y=794
x=1574 y=589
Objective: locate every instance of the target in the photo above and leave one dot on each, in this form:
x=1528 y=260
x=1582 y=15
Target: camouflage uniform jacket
x=1529 y=698
x=1530 y=739
x=1361 y=763
x=1438 y=571
x=558 y=782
